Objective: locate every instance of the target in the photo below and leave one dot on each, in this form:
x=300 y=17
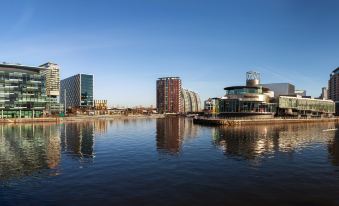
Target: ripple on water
x=168 y=162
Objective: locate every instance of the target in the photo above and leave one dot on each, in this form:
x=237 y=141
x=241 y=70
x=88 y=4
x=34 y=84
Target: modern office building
x=77 y=91
x=51 y=74
x=280 y=88
x=22 y=91
x=168 y=95
x=190 y=101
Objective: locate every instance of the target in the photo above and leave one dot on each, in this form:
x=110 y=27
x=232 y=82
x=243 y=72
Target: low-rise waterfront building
x=100 y=104
x=251 y=100
x=77 y=91
x=296 y=106
x=244 y=101
x=211 y=106
x=22 y=91
x=256 y=101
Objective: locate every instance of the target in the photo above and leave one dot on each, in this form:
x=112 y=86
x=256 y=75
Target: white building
x=52 y=77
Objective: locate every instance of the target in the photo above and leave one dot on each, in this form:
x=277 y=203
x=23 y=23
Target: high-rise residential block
x=77 y=91
x=169 y=95
x=51 y=74
x=52 y=78
x=333 y=85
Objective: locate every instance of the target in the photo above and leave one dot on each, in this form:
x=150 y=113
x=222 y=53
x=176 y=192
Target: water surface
x=168 y=162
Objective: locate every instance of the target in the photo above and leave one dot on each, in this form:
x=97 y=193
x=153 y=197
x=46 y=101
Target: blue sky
x=210 y=44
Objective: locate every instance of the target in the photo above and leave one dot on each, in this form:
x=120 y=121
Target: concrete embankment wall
x=260 y=121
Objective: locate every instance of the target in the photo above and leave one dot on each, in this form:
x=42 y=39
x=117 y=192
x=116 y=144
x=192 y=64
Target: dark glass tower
x=77 y=91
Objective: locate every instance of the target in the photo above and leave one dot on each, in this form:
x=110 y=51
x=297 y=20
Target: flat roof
x=163 y=78
x=241 y=87
x=21 y=67
x=336 y=70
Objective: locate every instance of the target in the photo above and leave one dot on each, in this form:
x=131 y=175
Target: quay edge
x=234 y=122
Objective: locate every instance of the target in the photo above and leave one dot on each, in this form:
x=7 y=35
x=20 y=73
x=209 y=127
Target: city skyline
x=209 y=45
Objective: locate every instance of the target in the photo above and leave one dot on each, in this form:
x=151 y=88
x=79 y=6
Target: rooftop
x=5 y=65
x=164 y=78
x=336 y=71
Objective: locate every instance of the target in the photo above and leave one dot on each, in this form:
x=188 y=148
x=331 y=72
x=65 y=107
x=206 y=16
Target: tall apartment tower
x=52 y=78
x=169 y=95
x=333 y=85
x=51 y=74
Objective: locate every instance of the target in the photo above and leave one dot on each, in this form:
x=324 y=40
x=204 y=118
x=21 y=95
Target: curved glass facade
x=246 y=100
x=190 y=101
x=244 y=90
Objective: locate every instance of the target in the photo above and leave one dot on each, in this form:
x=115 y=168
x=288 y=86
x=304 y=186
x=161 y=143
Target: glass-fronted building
x=295 y=106
x=257 y=101
x=247 y=101
x=22 y=91
x=77 y=91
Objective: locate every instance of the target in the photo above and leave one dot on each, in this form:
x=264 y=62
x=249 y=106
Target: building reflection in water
x=333 y=149
x=253 y=142
x=28 y=148
x=172 y=131
x=77 y=139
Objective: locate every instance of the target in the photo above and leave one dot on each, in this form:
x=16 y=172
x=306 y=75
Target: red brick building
x=168 y=95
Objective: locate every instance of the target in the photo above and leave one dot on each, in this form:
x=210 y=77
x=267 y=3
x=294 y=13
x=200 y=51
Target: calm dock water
x=168 y=162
